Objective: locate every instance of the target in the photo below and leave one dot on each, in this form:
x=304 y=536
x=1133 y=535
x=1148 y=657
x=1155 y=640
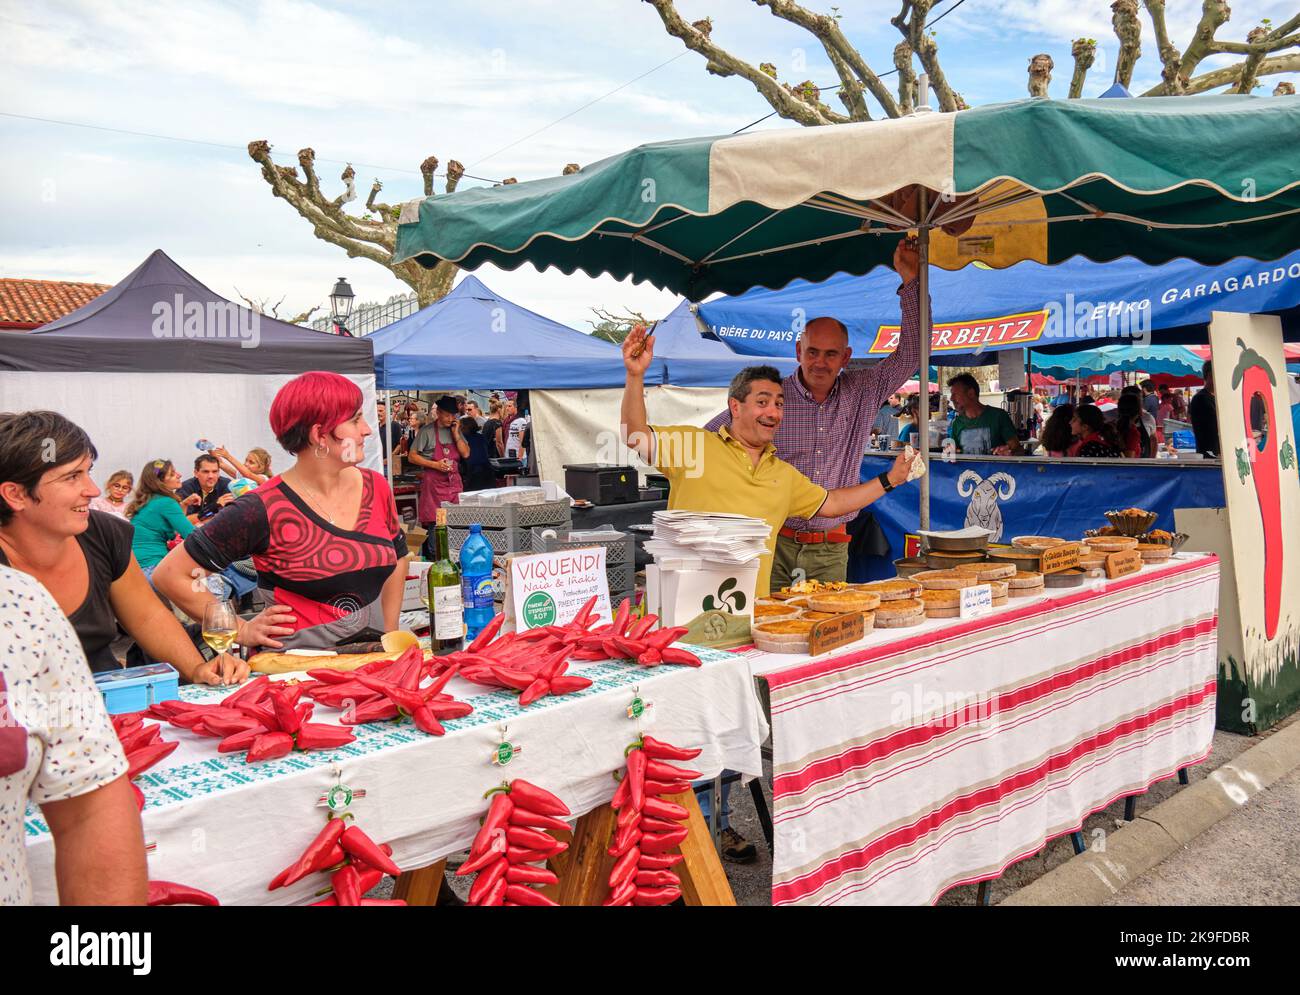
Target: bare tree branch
x=1128 y=29
x=1040 y=74
x=1214 y=14
x=1084 y=51
x=841 y=53
x=906 y=77
x=786 y=102
x=1229 y=75
x=926 y=48
x=1284 y=88
x=1170 y=57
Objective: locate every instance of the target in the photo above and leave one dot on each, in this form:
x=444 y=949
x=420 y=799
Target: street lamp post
x=341 y=298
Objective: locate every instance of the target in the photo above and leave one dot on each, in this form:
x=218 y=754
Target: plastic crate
x=510 y=516
x=621 y=577
x=502 y=540
x=619 y=547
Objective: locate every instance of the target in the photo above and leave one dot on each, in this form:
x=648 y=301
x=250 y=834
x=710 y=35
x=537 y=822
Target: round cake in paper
x=936 y=611
x=999 y=589
x=985 y=572
x=844 y=601
x=899 y=589
x=1110 y=544
x=1025 y=578
x=817 y=616
x=1154 y=552
x=1027 y=592
x=772 y=611
x=899 y=609
x=941 y=599
x=940 y=580
x=1037 y=542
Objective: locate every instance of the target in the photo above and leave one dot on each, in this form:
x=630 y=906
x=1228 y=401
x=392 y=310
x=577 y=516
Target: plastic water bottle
x=476 y=581
x=205 y=445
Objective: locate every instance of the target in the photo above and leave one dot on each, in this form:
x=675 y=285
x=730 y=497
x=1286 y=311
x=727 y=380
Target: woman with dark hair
x=83 y=557
x=478 y=467
x=323 y=535
x=1096 y=436
x=1133 y=435
x=1057 y=436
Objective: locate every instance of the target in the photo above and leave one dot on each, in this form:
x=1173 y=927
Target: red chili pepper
x=650 y=658
x=528 y=838
x=261 y=711
x=171 y=893
x=378 y=710
x=532 y=797
x=485 y=636
x=449 y=709
x=624 y=840
x=627 y=816
x=346 y=885
x=532 y=635
x=675 y=654
x=539 y=688
x=426 y=721
x=656 y=749
x=642 y=626
x=660 y=771
x=659 y=788
x=665 y=637
x=368 y=878
x=569 y=683
x=527 y=874
x=145 y=757
x=252 y=692
x=652 y=824
x=513 y=678
x=658 y=808
x=657 y=879
x=1255 y=377
x=624 y=868
x=656 y=896
x=140 y=736
x=269 y=746
x=523 y=895
x=581 y=654
x=487 y=880
x=439 y=682
x=361 y=846
x=662 y=842
x=630 y=648
x=497 y=893
x=523 y=817
x=325 y=841
x=228 y=727
x=286 y=717
x=381 y=901
x=620 y=795
x=623 y=895
x=321 y=736
x=328 y=676
x=495 y=849
x=622 y=616
x=240 y=740
x=518 y=855
x=660 y=861
x=636 y=761
x=499 y=815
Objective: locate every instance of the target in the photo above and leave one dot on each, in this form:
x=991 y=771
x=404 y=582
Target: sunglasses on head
x=160 y=467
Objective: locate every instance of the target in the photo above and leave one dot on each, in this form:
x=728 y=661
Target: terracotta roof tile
x=32 y=303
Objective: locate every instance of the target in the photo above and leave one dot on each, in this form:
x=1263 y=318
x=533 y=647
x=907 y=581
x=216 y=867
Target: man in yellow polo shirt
x=736 y=468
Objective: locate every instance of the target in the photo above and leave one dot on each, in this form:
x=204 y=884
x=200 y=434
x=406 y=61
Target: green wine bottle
x=446 y=619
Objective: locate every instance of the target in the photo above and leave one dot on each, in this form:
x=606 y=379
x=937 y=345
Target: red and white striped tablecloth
x=937 y=756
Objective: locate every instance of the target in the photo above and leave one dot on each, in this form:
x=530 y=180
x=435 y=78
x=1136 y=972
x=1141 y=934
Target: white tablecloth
x=217 y=823
x=919 y=759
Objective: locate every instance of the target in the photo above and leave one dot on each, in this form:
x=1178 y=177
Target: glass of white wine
x=220 y=623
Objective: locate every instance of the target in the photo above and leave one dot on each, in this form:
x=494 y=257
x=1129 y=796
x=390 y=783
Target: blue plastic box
x=136 y=688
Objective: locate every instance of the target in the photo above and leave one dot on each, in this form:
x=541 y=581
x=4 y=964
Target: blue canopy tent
x=474 y=338
x=1105 y=360
x=685 y=358
x=979 y=311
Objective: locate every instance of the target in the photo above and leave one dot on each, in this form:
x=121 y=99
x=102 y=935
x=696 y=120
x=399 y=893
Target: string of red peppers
x=649 y=827
x=513 y=839
x=354 y=862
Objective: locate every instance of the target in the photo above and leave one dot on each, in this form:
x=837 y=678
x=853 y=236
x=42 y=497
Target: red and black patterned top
x=330 y=577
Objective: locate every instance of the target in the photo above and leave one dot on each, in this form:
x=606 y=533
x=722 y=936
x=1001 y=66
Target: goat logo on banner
x=984 y=495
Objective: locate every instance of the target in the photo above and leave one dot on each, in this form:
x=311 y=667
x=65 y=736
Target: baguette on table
x=286 y=663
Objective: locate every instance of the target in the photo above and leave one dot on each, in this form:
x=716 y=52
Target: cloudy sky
x=515 y=89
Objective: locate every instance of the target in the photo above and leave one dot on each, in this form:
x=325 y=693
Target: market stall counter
x=215 y=822
x=923 y=758
x=1042 y=495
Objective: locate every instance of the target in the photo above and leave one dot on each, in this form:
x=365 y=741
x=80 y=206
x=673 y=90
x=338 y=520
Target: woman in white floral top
x=58 y=751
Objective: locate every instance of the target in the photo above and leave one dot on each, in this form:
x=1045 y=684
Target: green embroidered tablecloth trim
x=223 y=771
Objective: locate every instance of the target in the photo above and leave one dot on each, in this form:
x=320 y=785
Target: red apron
x=438 y=486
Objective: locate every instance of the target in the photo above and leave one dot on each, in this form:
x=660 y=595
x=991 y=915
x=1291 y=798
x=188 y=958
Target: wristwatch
x=884 y=482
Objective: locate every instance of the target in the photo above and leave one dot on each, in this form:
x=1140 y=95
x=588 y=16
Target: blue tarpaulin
x=978 y=310
x=473 y=338
x=685 y=358
x=1104 y=360
x=1034 y=497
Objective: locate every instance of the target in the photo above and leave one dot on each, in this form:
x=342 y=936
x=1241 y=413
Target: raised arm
x=885 y=377
x=638 y=352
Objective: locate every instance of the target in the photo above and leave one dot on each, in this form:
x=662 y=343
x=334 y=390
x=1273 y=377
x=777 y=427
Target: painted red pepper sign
x=1254 y=377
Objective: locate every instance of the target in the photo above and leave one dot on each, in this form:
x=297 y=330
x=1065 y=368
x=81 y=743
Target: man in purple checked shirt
x=828 y=415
